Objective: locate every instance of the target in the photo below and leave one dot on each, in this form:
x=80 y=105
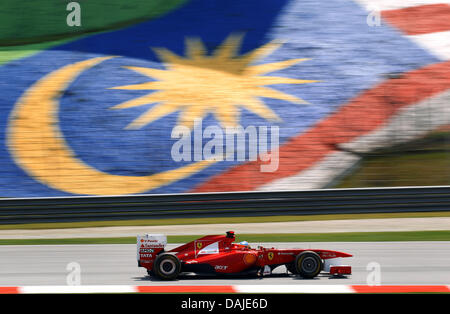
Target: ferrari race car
x=218 y=254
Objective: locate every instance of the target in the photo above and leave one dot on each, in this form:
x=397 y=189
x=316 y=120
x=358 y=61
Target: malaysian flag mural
x=219 y=95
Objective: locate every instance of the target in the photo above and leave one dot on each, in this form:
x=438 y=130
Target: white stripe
x=381 y=5
x=293 y=289
x=408 y=123
x=317 y=176
x=77 y=289
x=437 y=43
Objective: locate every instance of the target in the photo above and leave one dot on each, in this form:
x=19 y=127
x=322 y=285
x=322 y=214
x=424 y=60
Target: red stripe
x=421 y=19
x=399 y=289
x=186 y=289
x=444 y=128
x=9 y=290
x=360 y=116
x=232 y=289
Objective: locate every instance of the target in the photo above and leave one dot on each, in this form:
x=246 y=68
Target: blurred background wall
x=360 y=92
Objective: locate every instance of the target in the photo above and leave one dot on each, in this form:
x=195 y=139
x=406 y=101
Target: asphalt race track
x=411 y=263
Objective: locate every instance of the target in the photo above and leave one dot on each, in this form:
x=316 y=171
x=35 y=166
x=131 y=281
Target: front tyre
x=308 y=264
x=166 y=266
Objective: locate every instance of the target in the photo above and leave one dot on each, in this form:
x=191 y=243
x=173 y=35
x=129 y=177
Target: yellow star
x=220 y=83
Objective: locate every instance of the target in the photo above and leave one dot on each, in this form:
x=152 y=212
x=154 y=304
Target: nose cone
x=342 y=254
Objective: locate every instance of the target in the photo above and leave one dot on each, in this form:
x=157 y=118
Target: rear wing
x=148 y=246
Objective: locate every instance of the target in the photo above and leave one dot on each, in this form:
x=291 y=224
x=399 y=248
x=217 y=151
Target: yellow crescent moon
x=38 y=146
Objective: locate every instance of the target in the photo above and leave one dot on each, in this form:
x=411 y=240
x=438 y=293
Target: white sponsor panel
x=146 y=243
x=210 y=249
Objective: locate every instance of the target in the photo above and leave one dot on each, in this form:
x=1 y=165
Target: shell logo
x=249 y=259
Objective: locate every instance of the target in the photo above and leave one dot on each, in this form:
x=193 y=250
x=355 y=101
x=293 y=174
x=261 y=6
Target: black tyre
x=291 y=268
x=166 y=266
x=308 y=264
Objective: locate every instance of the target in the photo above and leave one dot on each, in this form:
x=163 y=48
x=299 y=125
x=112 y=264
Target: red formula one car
x=218 y=254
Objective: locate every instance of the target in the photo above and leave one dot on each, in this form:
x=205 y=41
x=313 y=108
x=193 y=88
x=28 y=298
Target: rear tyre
x=166 y=266
x=308 y=264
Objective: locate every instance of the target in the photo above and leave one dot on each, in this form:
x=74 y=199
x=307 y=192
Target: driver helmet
x=245 y=243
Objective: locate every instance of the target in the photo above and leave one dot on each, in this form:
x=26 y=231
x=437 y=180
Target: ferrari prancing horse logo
x=270 y=256
x=199 y=245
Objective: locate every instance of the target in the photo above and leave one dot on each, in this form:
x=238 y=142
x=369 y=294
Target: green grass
x=8 y=54
x=29 y=26
x=280 y=237
x=222 y=220
x=424 y=161
x=30 y=21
